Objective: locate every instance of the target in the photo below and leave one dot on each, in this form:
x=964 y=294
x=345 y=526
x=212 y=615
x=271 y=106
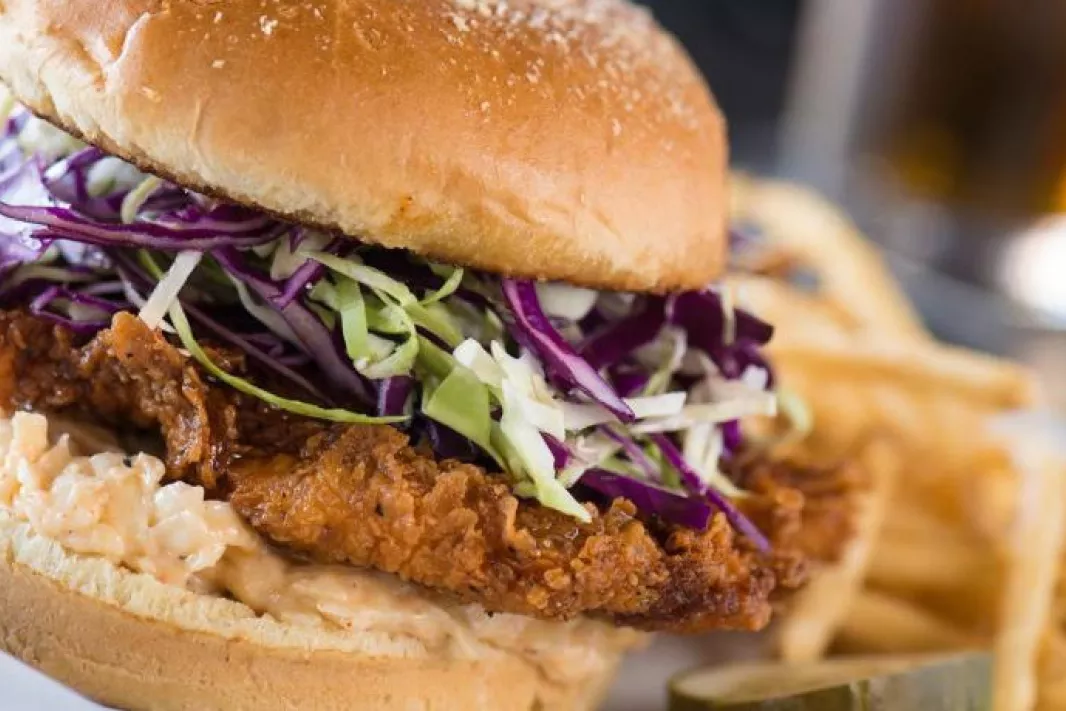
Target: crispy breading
x=829 y=495
x=362 y=495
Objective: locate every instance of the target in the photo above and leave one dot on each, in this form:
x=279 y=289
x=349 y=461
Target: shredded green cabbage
x=7 y=103
x=451 y=283
x=40 y=137
x=455 y=397
x=437 y=319
x=263 y=313
x=375 y=279
x=181 y=326
x=58 y=275
x=397 y=362
x=135 y=199
x=474 y=379
x=527 y=452
x=375 y=357
x=798 y=420
x=461 y=403
x=677 y=342
x=798 y=415
x=352 y=310
x=167 y=290
x=386 y=318
x=474 y=356
x=285 y=261
x=433 y=317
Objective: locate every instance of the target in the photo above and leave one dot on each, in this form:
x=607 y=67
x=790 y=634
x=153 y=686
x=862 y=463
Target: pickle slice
x=928 y=683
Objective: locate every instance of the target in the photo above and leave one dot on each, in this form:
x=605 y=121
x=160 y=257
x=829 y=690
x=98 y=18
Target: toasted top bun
x=555 y=139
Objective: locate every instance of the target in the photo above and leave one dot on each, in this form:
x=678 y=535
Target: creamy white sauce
x=116 y=506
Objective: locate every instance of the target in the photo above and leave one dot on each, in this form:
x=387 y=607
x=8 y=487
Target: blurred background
x=939 y=125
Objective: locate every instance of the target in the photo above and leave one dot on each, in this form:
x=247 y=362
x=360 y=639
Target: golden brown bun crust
x=129 y=641
x=554 y=139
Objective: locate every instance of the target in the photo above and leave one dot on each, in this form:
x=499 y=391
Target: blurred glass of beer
x=978 y=119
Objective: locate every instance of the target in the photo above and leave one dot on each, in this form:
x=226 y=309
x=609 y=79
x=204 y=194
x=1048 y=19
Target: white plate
x=24 y=689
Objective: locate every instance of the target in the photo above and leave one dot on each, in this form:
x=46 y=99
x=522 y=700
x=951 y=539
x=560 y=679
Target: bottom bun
x=130 y=641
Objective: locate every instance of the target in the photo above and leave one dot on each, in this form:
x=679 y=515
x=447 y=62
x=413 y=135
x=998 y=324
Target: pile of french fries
x=959 y=539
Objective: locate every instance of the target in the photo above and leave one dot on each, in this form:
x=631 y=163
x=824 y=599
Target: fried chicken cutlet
x=364 y=496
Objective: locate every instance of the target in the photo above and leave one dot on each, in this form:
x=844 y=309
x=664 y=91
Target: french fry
x=1052 y=689
x=852 y=273
x=1037 y=547
x=796 y=315
x=929 y=565
x=878 y=622
x=991 y=500
x=930 y=369
x=912 y=521
x=1052 y=695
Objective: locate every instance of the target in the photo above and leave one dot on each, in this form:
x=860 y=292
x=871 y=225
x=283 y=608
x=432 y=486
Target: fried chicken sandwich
x=366 y=354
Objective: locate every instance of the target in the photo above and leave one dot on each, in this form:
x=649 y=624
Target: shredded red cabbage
x=618 y=340
x=313 y=337
x=393 y=394
x=650 y=497
x=697 y=486
x=306 y=275
x=22 y=242
x=668 y=505
x=635 y=454
x=166 y=235
x=10 y=156
x=557 y=355
x=701 y=314
x=17 y=248
x=449 y=444
x=275 y=361
x=39 y=306
x=68 y=181
x=560 y=452
x=732 y=437
x=629 y=380
x=84 y=298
